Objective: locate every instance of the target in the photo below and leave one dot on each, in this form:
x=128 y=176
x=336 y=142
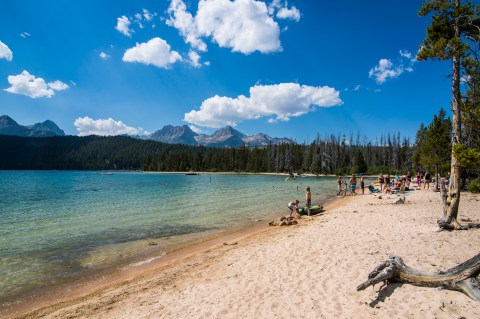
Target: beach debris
x=283 y=221
x=152 y=243
x=232 y=244
x=462 y=277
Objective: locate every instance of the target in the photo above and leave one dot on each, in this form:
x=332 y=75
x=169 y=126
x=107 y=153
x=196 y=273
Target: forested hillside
x=330 y=155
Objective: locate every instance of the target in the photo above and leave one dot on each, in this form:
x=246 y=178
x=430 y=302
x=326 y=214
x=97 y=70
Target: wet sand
x=309 y=270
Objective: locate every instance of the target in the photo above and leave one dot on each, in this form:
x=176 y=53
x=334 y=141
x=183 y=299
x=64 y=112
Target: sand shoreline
x=309 y=270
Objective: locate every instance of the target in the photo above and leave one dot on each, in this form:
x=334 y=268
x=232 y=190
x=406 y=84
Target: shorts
x=362 y=185
x=309 y=203
x=353 y=187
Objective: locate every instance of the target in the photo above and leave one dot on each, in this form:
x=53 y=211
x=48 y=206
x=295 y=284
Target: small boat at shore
x=191 y=173
x=314 y=209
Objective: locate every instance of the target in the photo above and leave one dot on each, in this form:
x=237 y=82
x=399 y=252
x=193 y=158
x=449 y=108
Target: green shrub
x=474 y=186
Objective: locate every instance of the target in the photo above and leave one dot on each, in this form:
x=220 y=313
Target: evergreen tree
x=455 y=28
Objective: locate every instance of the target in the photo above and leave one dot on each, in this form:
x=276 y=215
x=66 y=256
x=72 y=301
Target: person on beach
x=428 y=180
x=362 y=184
x=308 y=199
x=353 y=184
x=293 y=207
x=387 y=181
x=381 y=180
x=339 y=185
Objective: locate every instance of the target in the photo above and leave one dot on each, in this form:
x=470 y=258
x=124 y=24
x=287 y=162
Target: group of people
x=344 y=186
x=387 y=184
x=293 y=205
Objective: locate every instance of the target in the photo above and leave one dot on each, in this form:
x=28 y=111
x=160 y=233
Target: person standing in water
x=308 y=199
x=353 y=184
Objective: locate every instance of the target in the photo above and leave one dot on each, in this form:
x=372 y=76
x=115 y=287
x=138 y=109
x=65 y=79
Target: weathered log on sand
x=464 y=277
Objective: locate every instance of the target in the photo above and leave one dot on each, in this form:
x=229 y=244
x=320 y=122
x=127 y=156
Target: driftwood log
x=464 y=277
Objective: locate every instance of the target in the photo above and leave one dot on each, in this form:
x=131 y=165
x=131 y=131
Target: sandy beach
x=309 y=270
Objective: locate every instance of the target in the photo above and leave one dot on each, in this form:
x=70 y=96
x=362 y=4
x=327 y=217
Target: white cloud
x=386 y=69
x=292 y=14
x=196 y=129
x=155 y=52
x=5 y=52
x=87 y=126
x=357 y=87
x=194 y=59
x=123 y=26
x=243 y=26
x=283 y=12
x=147 y=15
x=406 y=54
x=28 y=85
x=25 y=35
x=184 y=22
x=103 y=55
x=58 y=85
x=279 y=102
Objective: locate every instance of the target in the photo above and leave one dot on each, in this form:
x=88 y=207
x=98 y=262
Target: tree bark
x=442 y=222
x=464 y=277
x=453 y=199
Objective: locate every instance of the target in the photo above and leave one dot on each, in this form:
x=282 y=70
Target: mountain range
x=224 y=137
x=48 y=128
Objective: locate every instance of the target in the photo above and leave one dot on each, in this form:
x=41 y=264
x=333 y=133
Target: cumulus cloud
x=103 y=55
x=184 y=22
x=87 y=126
x=5 y=52
x=28 y=85
x=58 y=85
x=283 y=11
x=386 y=69
x=155 y=52
x=123 y=26
x=280 y=102
x=243 y=26
x=194 y=59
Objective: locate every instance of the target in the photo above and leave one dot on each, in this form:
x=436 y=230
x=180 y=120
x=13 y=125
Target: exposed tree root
x=464 y=277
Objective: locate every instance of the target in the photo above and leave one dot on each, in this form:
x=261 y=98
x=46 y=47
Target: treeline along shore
x=329 y=155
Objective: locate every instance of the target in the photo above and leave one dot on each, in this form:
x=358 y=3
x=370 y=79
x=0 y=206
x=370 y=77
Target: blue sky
x=287 y=69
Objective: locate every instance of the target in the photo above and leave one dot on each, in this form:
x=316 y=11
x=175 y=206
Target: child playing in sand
x=293 y=207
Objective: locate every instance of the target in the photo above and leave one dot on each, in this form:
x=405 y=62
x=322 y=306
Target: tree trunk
x=464 y=277
x=453 y=200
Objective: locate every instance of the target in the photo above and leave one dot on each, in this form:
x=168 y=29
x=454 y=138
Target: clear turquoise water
x=57 y=226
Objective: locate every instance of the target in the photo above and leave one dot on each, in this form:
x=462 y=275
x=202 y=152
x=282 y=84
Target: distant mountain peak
x=224 y=137
x=48 y=126
x=6 y=120
x=174 y=135
x=10 y=127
